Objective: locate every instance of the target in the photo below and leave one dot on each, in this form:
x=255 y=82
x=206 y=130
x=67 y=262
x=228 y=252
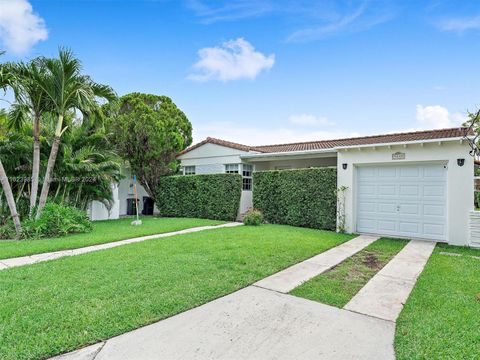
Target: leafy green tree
x=149 y=131
x=66 y=89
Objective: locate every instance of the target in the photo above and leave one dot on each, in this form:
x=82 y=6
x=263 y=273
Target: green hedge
x=304 y=197
x=213 y=196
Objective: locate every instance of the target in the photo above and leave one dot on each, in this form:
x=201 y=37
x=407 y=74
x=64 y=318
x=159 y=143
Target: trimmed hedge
x=304 y=197
x=212 y=196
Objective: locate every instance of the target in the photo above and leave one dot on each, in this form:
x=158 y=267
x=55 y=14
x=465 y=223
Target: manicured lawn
x=337 y=286
x=57 y=306
x=103 y=232
x=441 y=319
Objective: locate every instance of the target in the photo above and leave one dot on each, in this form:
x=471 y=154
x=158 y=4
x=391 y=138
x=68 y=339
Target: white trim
x=400 y=143
x=336 y=149
x=332 y=151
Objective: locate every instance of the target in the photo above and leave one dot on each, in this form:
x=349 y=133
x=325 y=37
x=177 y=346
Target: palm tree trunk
x=48 y=176
x=50 y=165
x=10 y=200
x=36 y=163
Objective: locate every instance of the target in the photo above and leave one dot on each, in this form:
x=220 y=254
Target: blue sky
x=270 y=71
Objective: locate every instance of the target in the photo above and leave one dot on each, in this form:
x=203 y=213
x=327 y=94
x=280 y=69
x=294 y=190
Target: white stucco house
x=123 y=200
x=414 y=185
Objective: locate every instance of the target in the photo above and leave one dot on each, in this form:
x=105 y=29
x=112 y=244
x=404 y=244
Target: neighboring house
x=123 y=201
x=414 y=185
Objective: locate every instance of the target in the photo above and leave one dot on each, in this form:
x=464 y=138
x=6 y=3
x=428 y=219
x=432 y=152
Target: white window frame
x=247 y=176
x=232 y=168
x=192 y=170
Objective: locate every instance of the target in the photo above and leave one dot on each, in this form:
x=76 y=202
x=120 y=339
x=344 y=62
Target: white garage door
x=407 y=200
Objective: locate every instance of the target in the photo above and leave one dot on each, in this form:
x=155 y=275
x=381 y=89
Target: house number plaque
x=398 y=156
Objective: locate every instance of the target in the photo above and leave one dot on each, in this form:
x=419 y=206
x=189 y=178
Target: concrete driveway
x=253 y=323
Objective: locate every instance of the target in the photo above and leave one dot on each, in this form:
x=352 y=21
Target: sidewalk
x=33 y=259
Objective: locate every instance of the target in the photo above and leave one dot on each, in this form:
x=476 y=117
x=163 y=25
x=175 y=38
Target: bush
x=57 y=220
x=212 y=196
x=304 y=197
x=253 y=217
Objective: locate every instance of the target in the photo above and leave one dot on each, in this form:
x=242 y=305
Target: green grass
x=53 y=307
x=441 y=319
x=103 y=232
x=337 y=286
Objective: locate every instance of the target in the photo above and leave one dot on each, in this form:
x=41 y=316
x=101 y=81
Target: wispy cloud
x=460 y=24
x=355 y=17
x=212 y=12
x=20 y=27
x=313 y=19
x=233 y=60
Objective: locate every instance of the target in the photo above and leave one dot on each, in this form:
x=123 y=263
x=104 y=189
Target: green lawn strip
x=441 y=319
x=337 y=286
x=103 y=232
x=54 y=307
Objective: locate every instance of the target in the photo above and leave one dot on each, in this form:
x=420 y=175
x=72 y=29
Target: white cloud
x=252 y=135
x=20 y=27
x=308 y=120
x=438 y=117
x=233 y=60
x=460 y=24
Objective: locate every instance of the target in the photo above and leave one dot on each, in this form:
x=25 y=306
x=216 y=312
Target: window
x=247 y=171
x=231 y=168
x=189 y=170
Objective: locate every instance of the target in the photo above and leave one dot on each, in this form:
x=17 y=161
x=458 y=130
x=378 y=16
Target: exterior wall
x=125 y=191
x=474 y=227
x=246 y=202
x=98 y=211
x=459 y=179
x=211 y=158
x=295 y=163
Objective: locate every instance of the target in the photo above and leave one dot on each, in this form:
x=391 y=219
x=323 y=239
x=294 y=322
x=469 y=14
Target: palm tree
x=31 y=103
x=67 y=90
x=6 y=79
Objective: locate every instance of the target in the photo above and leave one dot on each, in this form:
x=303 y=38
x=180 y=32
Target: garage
x=403 y=200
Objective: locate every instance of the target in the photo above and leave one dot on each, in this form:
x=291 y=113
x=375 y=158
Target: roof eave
x=301 y=153
x=401 y=143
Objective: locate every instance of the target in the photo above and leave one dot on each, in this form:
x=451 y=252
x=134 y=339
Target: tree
x=6 y=79
x=66 y=89
x=31 y=103
x=149 y=132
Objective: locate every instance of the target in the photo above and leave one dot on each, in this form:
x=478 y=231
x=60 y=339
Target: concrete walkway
x=288 y=279
x=253 y=323
x=385 y=294
x=32 y=259
x=260 y=323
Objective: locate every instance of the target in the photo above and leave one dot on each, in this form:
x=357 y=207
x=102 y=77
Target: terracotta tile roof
x=210 y=140
x=366 y=140
x=330 y=144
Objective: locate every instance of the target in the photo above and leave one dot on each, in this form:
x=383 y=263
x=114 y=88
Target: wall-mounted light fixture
x=344 y=166
x=460 y=162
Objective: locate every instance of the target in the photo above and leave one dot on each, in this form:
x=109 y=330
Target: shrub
x=304 y=197
x=253 y=217
x=7 y=231
x=57 y=220
x=212 y=196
